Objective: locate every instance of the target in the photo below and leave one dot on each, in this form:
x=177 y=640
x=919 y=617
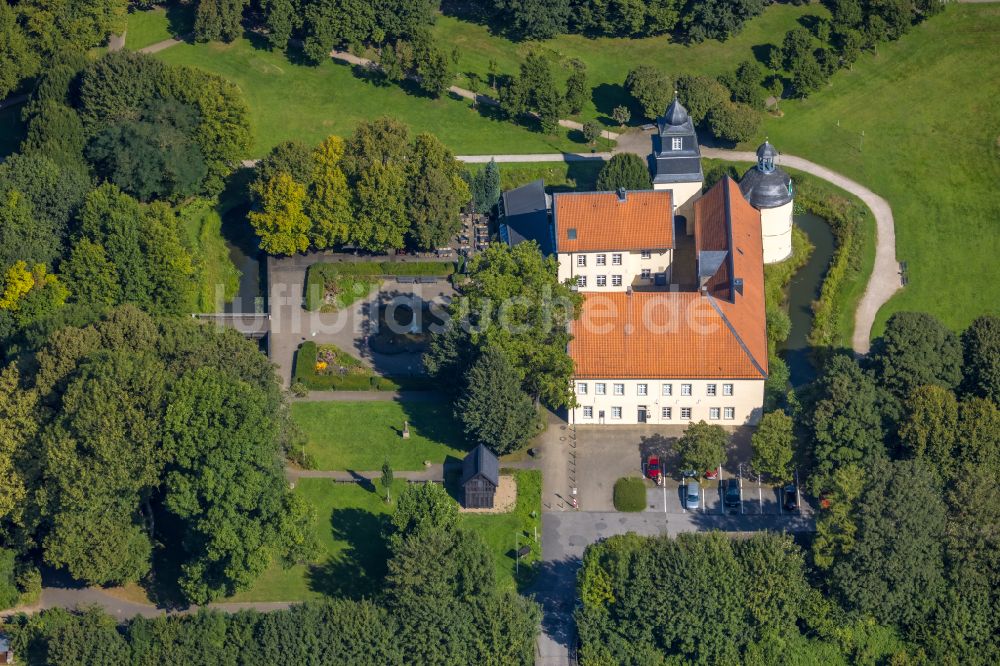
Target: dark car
x=790 y=501
x=731 y=493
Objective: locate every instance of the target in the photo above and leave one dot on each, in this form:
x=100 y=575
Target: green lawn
x=558 y=176
x=158 y=24
x=362 y=435
x=502 y=530
x=927 y=107
x=349 y=522
x=609 y=60
x=218 y=276
x=292 y=101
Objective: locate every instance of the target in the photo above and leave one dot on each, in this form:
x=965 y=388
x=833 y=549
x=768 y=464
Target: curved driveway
x=884 y=279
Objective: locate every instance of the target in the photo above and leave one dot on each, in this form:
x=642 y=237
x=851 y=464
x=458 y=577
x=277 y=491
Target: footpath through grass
x=362 y=435
x=927 y=105
x=609 y=59
x=292 y=101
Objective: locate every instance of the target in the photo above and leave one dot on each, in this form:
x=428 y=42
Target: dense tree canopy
x=624 y=170
x=124 y=421
x=494 y=410
x=651 y=88
x=513 y=302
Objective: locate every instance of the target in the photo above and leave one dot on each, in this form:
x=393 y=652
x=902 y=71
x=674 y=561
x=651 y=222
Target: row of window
x=601 y=388
x=602 y=280
x=616 y=258
x=667 y=413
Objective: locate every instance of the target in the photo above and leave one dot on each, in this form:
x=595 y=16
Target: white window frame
x=581 y=260
x=581 y=281
x=600 y=388
x=667 y=390
x=685 y=389
x=619 y=389
x=616 y=259
x=686 y=413
x=729 y=413
x=588 y=412
x=602 y=280
x=602 y=259
x=727 y=389
x=642 y=389
x=616 y=280
x=677 y=143
x=646 y=254
x=711 y=390
x=646 y=273
x=581 y=388
x=714 y=413
x=616 y=412
x=667 y=413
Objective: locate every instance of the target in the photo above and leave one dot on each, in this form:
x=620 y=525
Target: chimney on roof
x=621 y=194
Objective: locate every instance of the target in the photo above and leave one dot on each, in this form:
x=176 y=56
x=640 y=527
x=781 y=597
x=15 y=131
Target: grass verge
x=362 y=435
x=218 y=278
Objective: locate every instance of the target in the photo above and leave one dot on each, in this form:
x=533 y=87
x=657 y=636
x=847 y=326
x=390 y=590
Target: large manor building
x=673 y=328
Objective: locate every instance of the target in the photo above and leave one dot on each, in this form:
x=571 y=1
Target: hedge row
x=630 y=494
x=319 y=275
x=846 y=218
x=305 y=372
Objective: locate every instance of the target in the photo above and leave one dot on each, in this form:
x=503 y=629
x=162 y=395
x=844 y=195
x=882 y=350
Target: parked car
x=712 y=474
x=731 y=493
x=692 y=494
x=653 y=470
x=790 y=501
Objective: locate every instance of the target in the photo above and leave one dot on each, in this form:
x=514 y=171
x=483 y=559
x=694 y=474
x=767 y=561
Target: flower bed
x=328 y=368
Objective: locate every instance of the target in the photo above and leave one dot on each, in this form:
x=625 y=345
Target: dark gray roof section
x=525 y=216
x=681 y=164
x=481 y=461
x=766 y=151
x=676 y=114
x=766 y=190
x=709 y=262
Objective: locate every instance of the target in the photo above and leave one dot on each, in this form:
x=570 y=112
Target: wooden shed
x=480 y=477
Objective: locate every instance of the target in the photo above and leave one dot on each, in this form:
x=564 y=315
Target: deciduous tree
x=281 y=223
x=773 y=445
x=702 y=446
x=650 y=88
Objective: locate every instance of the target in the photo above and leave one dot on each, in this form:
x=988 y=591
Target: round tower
x=769 y=190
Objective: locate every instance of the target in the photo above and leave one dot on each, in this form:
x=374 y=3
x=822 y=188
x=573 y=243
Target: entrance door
x=642 y=414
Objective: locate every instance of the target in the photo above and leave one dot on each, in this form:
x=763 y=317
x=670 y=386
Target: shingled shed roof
x=599 y=221
x=481 y=461
x=719 y=333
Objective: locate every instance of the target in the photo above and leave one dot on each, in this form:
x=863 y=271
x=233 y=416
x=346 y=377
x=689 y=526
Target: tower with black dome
x=678 y=159
x=769 y=190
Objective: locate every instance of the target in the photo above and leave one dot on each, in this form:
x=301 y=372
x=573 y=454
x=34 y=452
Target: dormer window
x=676 y=143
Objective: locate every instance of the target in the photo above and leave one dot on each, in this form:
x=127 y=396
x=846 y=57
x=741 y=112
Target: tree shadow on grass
x=357 y=570
x=180 y=21
x=436 y=422
x=607 y=96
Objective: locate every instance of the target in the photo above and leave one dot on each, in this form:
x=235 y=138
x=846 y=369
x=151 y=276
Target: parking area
x=604 y=454
x=754 y=498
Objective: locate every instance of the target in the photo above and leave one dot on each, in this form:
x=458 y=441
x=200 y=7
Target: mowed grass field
x=927 y=105
x=293 y=101
x=362 y=435
x=349 y=523
x=609 y=60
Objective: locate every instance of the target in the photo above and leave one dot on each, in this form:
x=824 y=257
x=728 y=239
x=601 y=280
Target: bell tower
x=769 y=189
x=678 y=159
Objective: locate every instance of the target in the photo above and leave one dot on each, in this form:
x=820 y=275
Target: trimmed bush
x=630 y=494
x=321 y=274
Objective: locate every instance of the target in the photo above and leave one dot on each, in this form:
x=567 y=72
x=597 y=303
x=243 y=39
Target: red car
x=653 y=470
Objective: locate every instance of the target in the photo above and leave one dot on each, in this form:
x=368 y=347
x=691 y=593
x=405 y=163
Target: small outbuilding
x=480 y=478
x=6 y=652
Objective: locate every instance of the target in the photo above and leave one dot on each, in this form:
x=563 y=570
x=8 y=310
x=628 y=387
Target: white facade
x=684 y=196
x=776 y=229
x=667 y=401
x=614 y=270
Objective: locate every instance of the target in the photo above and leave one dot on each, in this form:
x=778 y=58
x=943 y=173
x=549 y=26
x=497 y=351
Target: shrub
x=630 y=494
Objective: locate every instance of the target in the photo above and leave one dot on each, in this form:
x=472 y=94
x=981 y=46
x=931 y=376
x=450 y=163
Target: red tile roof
x=601 y=221
x=684 y=335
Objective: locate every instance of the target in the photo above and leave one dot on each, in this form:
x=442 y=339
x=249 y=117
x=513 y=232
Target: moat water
x=802 y=291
